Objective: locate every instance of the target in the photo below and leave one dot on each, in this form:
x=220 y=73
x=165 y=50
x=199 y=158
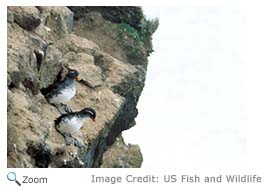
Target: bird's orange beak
x=77 y=79
x=93 y=119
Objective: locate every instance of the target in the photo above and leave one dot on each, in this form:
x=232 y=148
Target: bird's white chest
x=70 y=126
x=65 y=95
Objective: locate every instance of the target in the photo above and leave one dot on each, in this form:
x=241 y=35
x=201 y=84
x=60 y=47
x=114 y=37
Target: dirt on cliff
x=42 y=41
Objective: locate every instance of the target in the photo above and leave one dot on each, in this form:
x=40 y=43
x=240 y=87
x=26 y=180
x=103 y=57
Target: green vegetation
x=130 y=39
x=132 y=31
x=136 y=42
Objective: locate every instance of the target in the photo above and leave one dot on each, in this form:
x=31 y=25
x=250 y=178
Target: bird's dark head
x=89 y=112
x=73 y=74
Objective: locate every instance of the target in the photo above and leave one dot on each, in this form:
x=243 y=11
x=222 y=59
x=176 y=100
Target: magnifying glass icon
x=11 y=176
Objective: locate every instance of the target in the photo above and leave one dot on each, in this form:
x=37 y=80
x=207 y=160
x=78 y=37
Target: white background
x=193 y=106
x=210 y=114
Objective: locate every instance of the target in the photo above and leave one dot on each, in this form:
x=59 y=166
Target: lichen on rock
x=42 y=43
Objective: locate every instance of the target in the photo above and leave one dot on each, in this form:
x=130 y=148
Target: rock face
x=42 y=41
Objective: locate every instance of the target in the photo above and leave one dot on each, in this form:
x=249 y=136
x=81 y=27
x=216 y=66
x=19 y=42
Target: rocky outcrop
x=42 y=41
x=120 y=155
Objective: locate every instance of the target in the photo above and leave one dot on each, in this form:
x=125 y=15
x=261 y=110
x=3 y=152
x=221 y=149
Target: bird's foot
x=77 y=143
x=67 y=141
x=67 y=108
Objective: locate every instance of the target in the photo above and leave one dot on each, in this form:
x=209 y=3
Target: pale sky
x=191 y=112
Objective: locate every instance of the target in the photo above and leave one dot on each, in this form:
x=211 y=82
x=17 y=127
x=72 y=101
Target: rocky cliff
x=109 y=47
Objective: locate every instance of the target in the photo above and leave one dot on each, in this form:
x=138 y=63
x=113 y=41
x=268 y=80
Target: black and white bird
x=69 y=123
x=61 y=92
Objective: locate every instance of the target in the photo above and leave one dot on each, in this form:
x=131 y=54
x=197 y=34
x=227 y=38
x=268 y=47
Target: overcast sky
x=191 y=112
